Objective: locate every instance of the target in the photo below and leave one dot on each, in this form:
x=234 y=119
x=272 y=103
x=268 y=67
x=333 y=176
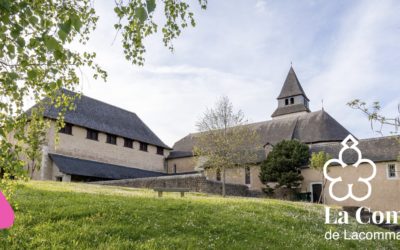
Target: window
x=286 y=101
x=160 y=151
x=291 y=100
x=247 y=175
x=67 y=129
x=174 y=169
x=392 y=173
x=218 y=177
x=143 y=146
x=128 y=143
x=112 y=139
x=58 y=178
x=92 y=134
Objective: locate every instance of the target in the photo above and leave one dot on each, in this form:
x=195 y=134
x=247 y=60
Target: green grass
x=80 y=216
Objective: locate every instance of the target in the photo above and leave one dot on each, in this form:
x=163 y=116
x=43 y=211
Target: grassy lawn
x=80 y=216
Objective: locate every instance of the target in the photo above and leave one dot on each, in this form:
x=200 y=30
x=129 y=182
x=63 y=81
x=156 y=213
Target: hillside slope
x=82 y=216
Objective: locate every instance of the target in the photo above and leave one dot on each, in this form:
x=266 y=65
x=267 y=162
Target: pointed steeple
x=292 y=86
x=292 y=99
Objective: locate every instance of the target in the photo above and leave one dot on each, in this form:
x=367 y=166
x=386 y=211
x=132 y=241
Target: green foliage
x=36 y=137
x=318 y=160
x=136 y=21
x=37 y=61
x=283 y=164
x=80 y=216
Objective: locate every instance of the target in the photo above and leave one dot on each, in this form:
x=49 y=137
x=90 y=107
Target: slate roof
x=290 y=109
x=308 y=128
x=380 y=149
x=179 y=154
x=75 y=166
x=97 y=115
x=292 y=86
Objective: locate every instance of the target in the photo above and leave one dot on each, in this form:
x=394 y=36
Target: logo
x=338 y=180
x=6 y=213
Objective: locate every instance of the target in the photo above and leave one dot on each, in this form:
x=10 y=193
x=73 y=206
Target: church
x=293 y=119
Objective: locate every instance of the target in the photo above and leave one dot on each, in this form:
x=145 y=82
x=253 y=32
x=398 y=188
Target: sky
x=243 y=49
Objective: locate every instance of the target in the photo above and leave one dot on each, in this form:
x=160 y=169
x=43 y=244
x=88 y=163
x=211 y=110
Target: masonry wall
x=385 y=191
x=237 y=176
x=195 y=182
x=184 y=164
x=76 y=145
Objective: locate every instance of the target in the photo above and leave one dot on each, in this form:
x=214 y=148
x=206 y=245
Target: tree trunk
x=322 y=196
x=33 y=169
x=223 y=182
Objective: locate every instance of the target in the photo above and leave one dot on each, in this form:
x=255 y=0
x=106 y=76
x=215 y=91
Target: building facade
x=293 y=119
x=104 y=142
x=100 y=142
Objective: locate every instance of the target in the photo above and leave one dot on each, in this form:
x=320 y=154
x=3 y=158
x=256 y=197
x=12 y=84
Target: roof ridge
x=112 y=105
x=380 y=138
x=262 y=122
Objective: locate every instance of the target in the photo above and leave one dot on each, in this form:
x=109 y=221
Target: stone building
x=321 y=132
x=103 y=142
x=100 y=142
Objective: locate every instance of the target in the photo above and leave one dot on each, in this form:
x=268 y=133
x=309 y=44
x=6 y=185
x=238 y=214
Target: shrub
x=283 y=164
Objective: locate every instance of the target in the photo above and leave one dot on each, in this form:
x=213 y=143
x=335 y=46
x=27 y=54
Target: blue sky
x=341 y=50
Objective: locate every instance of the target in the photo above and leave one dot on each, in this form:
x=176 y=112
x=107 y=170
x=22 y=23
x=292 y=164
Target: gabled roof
x=380 y=149
x=309 y=128
x=97 y=115
x=75 y=166
x=292 y=86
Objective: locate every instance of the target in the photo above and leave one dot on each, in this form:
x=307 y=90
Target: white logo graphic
x=359 y=161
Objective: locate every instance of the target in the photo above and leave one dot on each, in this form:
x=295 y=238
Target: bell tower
x=292 y=100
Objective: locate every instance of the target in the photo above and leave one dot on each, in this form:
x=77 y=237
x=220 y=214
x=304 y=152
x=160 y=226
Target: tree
x=283 y=164
x=224 y=139
x=36 y=137
x=37 y=60
x=374 y=116
x=317 y=162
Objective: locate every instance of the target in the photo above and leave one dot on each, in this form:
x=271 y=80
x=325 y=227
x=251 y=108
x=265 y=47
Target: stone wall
x=195 y=182
x=385 y=195
x=76 y=145
x=185 y=164
x=237 y=176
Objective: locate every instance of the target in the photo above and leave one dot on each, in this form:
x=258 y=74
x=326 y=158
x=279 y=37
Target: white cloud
x=352 y=69
x=340 y=51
